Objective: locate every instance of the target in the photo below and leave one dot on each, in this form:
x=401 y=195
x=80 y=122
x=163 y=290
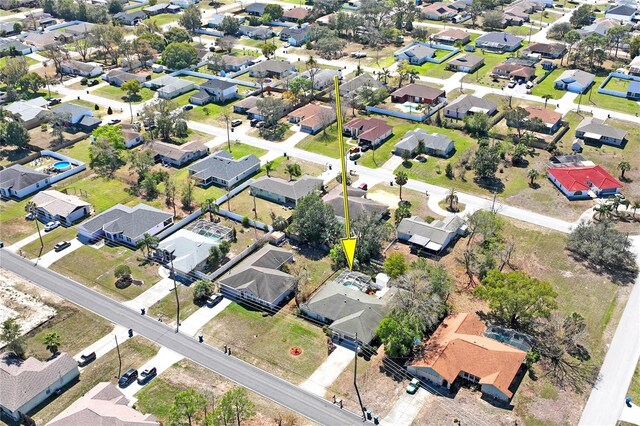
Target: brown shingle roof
x=419 y=90
x=548 y=116
x=296 y=13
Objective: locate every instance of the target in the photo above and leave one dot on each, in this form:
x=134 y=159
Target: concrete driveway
x=406 y=409
x=52 y=256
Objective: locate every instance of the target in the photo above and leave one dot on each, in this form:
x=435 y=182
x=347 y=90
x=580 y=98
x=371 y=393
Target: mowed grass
x=117 y=94
x=13 y=226
x=600 y=100
x=95 y=267
x=265 y=341
x=164 y=19
x=483 y=74
x=324 y=143
x=134 y=353
x=546 y=87
x=166 y=307
x=50 y=239
x=377 y=157
x=77 y=328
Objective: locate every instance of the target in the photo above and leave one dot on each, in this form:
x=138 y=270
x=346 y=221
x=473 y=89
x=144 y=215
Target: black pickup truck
x=86 y=359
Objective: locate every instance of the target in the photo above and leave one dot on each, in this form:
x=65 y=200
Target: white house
x=621 y=12
x=84 y=69
x=169 y=87
x=67 y=209
x=19 y=181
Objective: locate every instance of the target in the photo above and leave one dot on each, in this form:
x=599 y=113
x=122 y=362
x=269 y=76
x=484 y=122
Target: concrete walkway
x=392 y=163
x=406 y=409
x=201 y=317
x=152 y=295
x=328 y=371
x=53 y=256
x=105 y=344
x=631 y=414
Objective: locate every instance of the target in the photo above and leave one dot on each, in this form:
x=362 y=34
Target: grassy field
x=50 y=239
x=265 y=341
x=243 y=204
x=483 y=75
x=5 y=59
x=164 y=19
x=324 y=144
x=101 y=193
x=431 y=69
x=617 y=84
x=14 y=227
x=165 y=308
x=134 y=353
x=94 y=268
x=194 y=79
x=183 y=99
x=116 y=94
x=522 y=31
x=546 y=16
x=546 y=87
x=600 y=100
x=376 y=158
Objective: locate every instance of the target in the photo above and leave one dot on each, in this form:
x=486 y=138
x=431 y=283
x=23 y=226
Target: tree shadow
x=493 y=184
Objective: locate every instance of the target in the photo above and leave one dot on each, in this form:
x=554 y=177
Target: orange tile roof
x=459 y=345
x=548 y=116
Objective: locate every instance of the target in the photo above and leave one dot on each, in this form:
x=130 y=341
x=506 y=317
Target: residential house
x=183 y=4
x=79 y=30
x=169 y=87
x=517 y=69
x=215 y=90
x=295 y=14
x=285 y=192
x=431 y=237
x=272 y=68
x=593 y=130
x=221 y=169
x=516 y=15
x=10 y=47
x=419 y=94
x=237 y=63
x=452 y=36
x=419 y=141
x=43 y=41
x=255 y=9
x=465 y=63
x=295 y=36
x=552 y=120
x=584 y=182
x=468 y=105
x=621 y=13
x=84 y=69
x=8 y=29
x=157 y=9
x=38 y=20
x=356 y=84
x=499 y=42
x=359 y=205
x=312 y=117
x=132 y=137
x=244 y=105
x=634 y=66
x=103 y=405
x=438 y=12
x=351 y=315
x=633 y=90
x=459 y=350
x=186 y=251
x=370 y=132
x=416 y=53
x=546 y=50
x=259 y=278
x=600 y=26
x=119 y=77
x=130 y=18
x=125 y=225
x=27 y=384
x=256 y=33
x=326 y=19
x=77 y=116
x=31 y=113
x=322 y=78
x=178 y=155
x=575 y=81
x=68 y=209
x=18 y=181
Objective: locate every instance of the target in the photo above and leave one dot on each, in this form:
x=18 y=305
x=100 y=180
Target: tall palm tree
x=532 y=174
x=546 y=99
x=401 y=180
x=30 y=208
x=293 y=170
x=452 y=199
x=268 y=167
x=413 y=75
x=635 y=206
x=147 y=242
x=210 y=205
x=602 y=211
x=623 y=166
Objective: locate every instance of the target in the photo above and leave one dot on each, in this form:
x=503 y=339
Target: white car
x=51 y=226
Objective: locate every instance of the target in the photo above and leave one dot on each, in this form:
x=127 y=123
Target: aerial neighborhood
x=277 y=212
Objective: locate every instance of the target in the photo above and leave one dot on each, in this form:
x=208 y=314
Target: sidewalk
x=23 y=242
x=328 y=371
x=201 y=317
x=152 y=295
x=105 y=344
x=631 y=414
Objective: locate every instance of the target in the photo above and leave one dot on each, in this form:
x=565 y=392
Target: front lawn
x=14 y=226
x=183 y=99
x=95 y=267
x=483 y=74
x=323 y=143
x=546 y=87
x=600 y=100
x=164 y=19
x=117 y=94
x=243 y=204
x=265 y=341
x=166 y=307
x=50 y=239
x=431 y=69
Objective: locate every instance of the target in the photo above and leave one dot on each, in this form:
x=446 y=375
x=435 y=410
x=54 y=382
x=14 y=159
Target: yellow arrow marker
x=348 y=243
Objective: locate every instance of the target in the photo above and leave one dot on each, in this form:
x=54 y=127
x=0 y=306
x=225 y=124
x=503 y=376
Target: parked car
x=51 y=226
x=354 y=156
x=214 y=299
x=260 y=124
x=511 y=84
x=529 y=84
x=91 y=83
x=30 y=216
x=54 y=101
x=114 y=121
x=363 y=186
x=365 y=148
x=354 y=150
x=62 y=245
x=86 y=359
x=236 y=123
x=253 y=122
x=359 y=54
x=147 y=375
x=127 y=378
x=413 y=386
x=187 y=107
x=1 y=244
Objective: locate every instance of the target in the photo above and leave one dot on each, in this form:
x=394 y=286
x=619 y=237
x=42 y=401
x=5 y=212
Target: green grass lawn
x=165 y=308
x=13 y=226
x=546 y=87
x=134 y=352
x=376 y=158
x=617 y=84
x=164 y=18
x=483 y=75
x=323 y=144
x=434 y=70
x=265 y=341
x=549 y=18
x=522 y=31
x=196 y=80
x=600 y=100
x=94 y=268
x=100 y=192
x=183 y=99
x=4 y=60
x=50 y=239
x=116 y=94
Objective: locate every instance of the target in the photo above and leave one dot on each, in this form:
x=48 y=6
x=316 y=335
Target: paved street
x=261 y=382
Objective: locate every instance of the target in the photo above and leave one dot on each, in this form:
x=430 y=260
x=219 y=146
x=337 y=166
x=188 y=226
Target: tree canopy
x=314 y=221
x=177 y=56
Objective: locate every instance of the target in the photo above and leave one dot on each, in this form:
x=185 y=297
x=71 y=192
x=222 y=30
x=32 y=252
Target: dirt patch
x=384 y=197
x=295 y=351
x=30 y=310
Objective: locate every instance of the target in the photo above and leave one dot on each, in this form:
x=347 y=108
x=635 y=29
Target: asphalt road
x=269 y=386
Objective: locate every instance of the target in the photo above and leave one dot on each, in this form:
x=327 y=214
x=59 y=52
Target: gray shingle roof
x=357 y=83
x=131 y=222
x=21 y=381
x=597 y=126
x=260 y=274
x=290 y=189
x=18 y=177
x=71 y=109
x=358 y=205
x=435 y=141
x=622 y=10
x=581 y=77
x=501 y=38
x=467 y=60
x=57 y=203
x=223 y=166
x=272 y=66
x=437 y=231
x=218 y=84
x=256 y=8
x=466 y=102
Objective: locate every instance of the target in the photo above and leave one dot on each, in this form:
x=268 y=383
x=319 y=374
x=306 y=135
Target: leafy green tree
x=371 y=234
x=268 y=49
x=397 y=336
x=314 y=221
x=401 y=180
x=12 y=133
x=395 y=265
x=187 y=405
x=187 y=195
x=486 y=161
x=156 y=41
x=517 y=299
x=520 y=150
x=11 y=333
x=191 y=18
x=209 y=205
x=141 y=162
x=293 y=170
x=114 y=6
x=237 y=403
x=215 y=257
x=32 y=81
x=177 y=35
x=52 y=341
x=202 y=289
x=177 y=56
x=279 y=223
x=275 y=11
x=225 y=247
x=105 y=157
x=230 y=25
x=401 y=212
x=581 y=16
x=132 y=88
x=122 y=273
x=623 y=166
x=269 y=166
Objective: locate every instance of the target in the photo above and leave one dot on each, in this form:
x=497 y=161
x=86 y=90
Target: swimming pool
x=62 y=166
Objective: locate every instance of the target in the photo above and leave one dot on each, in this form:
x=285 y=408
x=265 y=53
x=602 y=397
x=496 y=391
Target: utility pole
x=355 y=378
x=119 y=358
x=175 y=290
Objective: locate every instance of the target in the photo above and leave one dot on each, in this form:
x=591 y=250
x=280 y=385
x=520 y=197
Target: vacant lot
x=134 y=353
x=256 y=208
x=14 y=227
x=265 y=341
x=483 y=75
x=166 y=307
x=95 y=267
x=600 y=100
x=117 y=94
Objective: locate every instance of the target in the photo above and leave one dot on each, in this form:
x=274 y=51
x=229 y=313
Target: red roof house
x=370 y=131
x=584 y=182
x=418 y=93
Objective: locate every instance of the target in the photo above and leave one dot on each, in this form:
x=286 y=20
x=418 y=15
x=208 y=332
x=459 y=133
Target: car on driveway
x=511 y=84
x=92 y=83
x=214 y=299
x=114 y=121
x=51 y=226
x=354 y=156
x=413 y=386
x=62 y=245
x=127 y=378
x=147 y=375
x=187 y=107
x=54 y=101
x=363 y=186
x=30 y=216
x=236 y=123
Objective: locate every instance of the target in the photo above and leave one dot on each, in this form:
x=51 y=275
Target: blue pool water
x=62 y=165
